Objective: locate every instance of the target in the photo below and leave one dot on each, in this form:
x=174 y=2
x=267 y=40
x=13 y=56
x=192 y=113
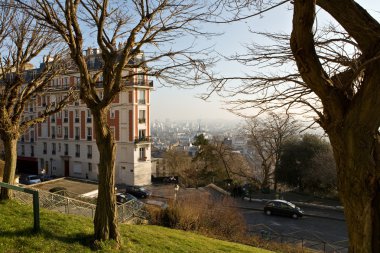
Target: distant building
x=64 y=145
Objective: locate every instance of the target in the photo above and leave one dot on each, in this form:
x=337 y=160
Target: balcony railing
x=139 y=83
x=143 y=159
x=142 y=120
x=143 y=139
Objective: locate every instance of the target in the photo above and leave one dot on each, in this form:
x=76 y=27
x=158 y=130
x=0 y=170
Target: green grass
x=67 y=233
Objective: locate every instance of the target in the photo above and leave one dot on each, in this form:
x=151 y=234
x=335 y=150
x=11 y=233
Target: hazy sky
x=175 y=103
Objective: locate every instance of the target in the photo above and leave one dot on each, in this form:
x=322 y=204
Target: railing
x=71 y=203
x=143 y=139
x=312 y=245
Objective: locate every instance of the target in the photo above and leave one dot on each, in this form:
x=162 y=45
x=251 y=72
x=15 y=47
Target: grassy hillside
x=66 y=233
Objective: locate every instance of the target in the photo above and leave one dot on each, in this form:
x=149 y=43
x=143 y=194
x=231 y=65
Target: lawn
x=67 y=233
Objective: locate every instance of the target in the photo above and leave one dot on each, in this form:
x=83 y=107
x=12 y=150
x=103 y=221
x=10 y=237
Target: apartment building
x=64 y=145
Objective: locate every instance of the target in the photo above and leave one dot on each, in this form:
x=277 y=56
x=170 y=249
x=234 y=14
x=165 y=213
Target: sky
x=184 y=104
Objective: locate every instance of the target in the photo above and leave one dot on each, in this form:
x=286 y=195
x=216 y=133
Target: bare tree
x=122 y=30
x=335 y=72
x=22 y=39
x=266 y=138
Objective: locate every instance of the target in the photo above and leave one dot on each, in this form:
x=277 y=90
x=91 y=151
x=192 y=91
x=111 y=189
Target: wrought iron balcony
x=143 y=139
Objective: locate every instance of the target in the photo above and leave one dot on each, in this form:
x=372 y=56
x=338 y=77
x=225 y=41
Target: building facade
x=64 y=145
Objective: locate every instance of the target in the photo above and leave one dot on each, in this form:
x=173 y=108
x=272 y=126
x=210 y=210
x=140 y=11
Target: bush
x=203 y=214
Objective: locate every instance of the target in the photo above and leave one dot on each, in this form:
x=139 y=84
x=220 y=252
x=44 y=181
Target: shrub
x=201 y=213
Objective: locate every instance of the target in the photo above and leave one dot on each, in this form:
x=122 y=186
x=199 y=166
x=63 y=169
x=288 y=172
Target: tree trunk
x=10 y=146
x=105 y=221
x=357 y=153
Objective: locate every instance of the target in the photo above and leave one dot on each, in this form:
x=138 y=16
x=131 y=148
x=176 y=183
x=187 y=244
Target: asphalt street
x=322 y=227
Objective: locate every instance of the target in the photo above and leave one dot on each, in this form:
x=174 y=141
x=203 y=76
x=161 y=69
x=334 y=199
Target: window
x=53 y=118
x=65 y=116
x=59 y=115
x=89 y=167
x=141 y=96
x=59 y=147
x=112 y=114
x=45 y=148
x=66 y=132
x=32 y=150
x=140 y=79
x=142 y=154
x=31 y=136
x=141 y=116
x=59 y=130
x=53 y=146
x=22 y=150
x=66 y=149
x=89 y=151
x=76 y=133
x=77 y=150
x=76 y=116
x=89 y=133
x=141 y=134
x=88 y=116
x=53 y=132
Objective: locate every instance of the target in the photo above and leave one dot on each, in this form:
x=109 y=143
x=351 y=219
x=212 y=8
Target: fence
x=303 y=243
x=66 y=202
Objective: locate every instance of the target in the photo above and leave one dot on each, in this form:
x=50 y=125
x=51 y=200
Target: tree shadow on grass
x=83 y=239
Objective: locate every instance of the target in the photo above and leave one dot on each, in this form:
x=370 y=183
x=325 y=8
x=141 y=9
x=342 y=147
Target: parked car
x=29 y=179
x=122 y=198
x=45 y=177
x=282 y=207
x=137 y=191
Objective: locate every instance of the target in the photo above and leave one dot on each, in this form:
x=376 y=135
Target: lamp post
x=51 y=166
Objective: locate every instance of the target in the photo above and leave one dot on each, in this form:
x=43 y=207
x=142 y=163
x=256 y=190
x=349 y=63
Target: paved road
x=311 y=229
x=321 y=228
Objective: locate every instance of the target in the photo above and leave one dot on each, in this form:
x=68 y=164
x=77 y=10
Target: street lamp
x=51 y=166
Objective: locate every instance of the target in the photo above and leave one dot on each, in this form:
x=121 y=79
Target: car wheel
x=295 y=216
x=268 y=212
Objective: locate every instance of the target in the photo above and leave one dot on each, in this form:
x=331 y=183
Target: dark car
x=282 y=207
x=122 y=198
x=138 y=191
